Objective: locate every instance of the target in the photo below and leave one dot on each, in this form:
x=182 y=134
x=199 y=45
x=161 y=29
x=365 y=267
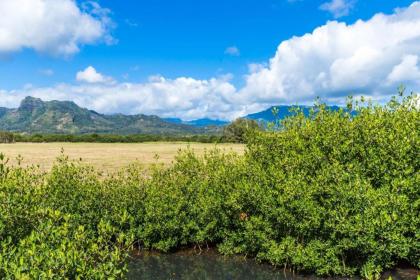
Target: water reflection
x=210 y=265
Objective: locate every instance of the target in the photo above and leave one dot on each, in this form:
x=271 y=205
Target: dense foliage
x=331 y=193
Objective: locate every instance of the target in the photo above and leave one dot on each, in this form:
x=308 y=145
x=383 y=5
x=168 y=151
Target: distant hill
x=199 y=122
x=283 y=111
x=37 y=116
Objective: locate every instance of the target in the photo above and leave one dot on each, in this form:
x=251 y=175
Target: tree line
x=7 y=137
x=233 y=133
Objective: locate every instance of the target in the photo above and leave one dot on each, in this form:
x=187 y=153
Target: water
x=190 y=265
x=210 y=265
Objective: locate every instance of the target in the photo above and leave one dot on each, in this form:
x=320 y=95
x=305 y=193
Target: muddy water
x=210 y=265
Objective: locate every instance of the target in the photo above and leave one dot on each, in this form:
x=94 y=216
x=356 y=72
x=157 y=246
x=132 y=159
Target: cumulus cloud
x=369 y=58
x=338 y=8
x=233 y=51
x=90 y=75
x=57 y=27
x=407 y=70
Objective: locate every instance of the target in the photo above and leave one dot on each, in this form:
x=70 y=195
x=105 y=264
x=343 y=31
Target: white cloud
x=57 y=27
x=368 y=57
x=336 y=60
x=182 y=97
x=338 y=8
x=233 y=51
x=90 y=75
x=407 y=70
x=256 y=67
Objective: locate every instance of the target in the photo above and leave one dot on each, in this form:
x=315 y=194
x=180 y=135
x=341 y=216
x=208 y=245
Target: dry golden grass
x=104 y=156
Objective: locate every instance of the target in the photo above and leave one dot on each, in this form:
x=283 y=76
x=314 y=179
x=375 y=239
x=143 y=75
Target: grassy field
x=105 y=157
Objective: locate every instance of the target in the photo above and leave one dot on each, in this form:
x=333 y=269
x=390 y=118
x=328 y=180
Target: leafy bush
x=337 y=194
x=333 y=193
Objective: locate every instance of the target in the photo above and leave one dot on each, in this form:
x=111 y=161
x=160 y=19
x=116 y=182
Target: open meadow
x=105 y=156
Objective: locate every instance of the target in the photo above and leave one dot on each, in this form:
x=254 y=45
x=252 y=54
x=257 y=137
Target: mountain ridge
x=66 y=117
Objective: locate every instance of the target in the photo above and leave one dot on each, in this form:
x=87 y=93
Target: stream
x=211 y=265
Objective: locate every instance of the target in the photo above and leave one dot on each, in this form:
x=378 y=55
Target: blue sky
x=197 y=40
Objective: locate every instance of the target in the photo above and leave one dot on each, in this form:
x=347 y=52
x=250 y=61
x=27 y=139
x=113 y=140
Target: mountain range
x=37 y=116
x=65 y=117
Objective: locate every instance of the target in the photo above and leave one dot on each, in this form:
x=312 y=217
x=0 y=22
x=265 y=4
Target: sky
x=215 y=59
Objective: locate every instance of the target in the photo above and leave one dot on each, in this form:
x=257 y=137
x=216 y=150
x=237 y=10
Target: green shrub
x=61 y=249
x=350 y=182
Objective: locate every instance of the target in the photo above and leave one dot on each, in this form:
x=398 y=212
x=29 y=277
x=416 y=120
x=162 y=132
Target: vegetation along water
x=335 y=193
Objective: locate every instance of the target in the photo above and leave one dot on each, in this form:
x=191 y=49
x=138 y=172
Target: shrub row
x=331 y=193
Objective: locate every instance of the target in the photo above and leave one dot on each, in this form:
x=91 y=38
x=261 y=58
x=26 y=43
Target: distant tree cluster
x=7 y=137
x=238 y=130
